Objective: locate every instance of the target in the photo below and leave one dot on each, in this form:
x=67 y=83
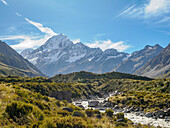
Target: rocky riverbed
x=159 y=118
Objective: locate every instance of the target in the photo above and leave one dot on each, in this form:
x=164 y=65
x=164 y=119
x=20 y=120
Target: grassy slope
x=150 y=95
x=160 y=85
x=22 y=107
x=6 y=70
x=15 y=63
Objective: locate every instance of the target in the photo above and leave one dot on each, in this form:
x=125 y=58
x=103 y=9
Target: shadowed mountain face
x=60 y=55
x=11 y=63
x=159 y=65
x=138 y=59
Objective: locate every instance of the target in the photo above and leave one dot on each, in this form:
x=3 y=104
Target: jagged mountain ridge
x=60 y=55
x=138 y=59
x=159 y=65
x=12 y=63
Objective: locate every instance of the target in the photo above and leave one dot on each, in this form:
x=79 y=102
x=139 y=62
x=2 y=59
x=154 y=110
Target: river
x=132 y=116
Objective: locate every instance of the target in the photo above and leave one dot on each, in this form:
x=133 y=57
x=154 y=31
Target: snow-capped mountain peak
x=57 y=42
x=60 y=55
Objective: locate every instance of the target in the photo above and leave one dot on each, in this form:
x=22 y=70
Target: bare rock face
x=62 y=95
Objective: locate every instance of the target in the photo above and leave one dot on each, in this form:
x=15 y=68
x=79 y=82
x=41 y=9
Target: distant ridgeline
x=85 y=76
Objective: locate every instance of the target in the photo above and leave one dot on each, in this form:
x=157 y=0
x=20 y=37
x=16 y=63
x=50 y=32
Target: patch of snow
x=75 y=58
x=126 y=57
x=56 y=57
x=90 y=59
x=40 y=52
x=99 y=58
x=34 y=60
x=111 y=57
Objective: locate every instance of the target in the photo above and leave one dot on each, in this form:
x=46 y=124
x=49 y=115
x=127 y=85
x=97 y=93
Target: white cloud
x=26 y=41
x=43 y=29
x=155 y=6
x=107 y=44
x=152 y=10
x=76 y=41
x=32 y=41
x=127 y=10
x=3 y=1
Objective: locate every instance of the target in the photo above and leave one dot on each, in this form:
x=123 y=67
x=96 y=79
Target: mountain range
x=12 y=63
x=158 y=66
x=59 y=55
x=138 y=59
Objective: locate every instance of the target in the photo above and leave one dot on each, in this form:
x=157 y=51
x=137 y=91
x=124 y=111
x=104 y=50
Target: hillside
x=22 y=105
x=158 y=66
x=11 y=63
x=85 y=76
x=138 y=58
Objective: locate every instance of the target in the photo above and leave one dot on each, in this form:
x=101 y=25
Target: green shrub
x=58 y=103
x=78 y=113
x=41 y=105
x=89 y=112
x=109 y=112
x=18 y=109
x=63 y=112
x=120 y=115
x=64 y=122
x=99 y=116
x=96 y=111
x=23 y=112
x=121 y=124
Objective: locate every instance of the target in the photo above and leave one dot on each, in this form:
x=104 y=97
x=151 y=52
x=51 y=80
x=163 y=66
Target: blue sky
x=126 y=25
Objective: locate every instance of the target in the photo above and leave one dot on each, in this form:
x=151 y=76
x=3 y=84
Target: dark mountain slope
x=11 y=63
x=159 y=65
x=138 y=59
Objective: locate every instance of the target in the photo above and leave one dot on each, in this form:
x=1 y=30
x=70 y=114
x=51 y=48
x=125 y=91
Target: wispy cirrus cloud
x=127 y=10
x=30 y=41
x=43 y=29
x=150 y=10
x=3 y=1
x=107 y=44
x=26 y=41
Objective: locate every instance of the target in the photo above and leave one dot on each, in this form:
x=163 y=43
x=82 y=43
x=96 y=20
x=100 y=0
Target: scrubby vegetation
x=25 y=102
x=124 y=85
x=148 y=101
x=22 y=107
x=148 y=95
x=46 y=87
x=28 y=102
x=83 y=77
